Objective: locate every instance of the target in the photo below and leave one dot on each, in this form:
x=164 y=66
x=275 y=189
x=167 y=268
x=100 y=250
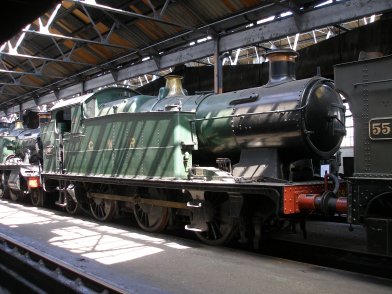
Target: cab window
x=63 y=120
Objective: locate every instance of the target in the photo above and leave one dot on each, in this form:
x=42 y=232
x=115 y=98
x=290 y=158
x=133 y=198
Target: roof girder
x=330 y=15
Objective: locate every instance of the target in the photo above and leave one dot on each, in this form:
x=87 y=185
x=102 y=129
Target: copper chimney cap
x=174 y=84
x=18 y=125
x=282 y=66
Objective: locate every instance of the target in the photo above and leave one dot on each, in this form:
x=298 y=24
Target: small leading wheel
x=72 y=207
x=102 y=209
x=221 y=226
x=15 y=195
x=151 y=218
x=37 y=197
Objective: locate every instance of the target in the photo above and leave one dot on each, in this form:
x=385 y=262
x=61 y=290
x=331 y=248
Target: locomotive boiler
x=286 y=120
x=217 y=163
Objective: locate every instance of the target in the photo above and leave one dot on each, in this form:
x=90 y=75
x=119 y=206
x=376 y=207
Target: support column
x=20 y=112
x=217 y=69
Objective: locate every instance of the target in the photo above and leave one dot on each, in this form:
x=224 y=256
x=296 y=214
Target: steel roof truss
x=92 y=21
x=127 y=13
x=30 y=61
x=117 y=21
x=31 y=57
x=58 y=47
x=152 y=8
x=282 y=27
x=164 y=7
x=38 y=73
x=104 y=42
x=18 y=84
x=9 y=73
x=112 y=28
x=45 y=28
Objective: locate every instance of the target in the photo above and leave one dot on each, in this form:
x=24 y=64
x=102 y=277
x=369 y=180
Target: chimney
x=18 y=125
x=174 y=84
x=281 y=66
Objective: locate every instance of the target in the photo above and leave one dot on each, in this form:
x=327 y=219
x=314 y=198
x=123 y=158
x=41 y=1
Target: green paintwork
x=4 y=150
x=130 y=144
x=114 y=136
x=48 y=138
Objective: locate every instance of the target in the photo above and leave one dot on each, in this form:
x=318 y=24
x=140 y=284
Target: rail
x=26 y=270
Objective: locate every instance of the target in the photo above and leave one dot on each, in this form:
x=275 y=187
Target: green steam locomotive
x=222 y=165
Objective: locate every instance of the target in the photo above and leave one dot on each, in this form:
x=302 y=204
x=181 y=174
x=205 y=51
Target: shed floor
x=148 y=263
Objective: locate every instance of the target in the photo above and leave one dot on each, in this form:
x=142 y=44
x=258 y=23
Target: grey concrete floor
x=147 y=263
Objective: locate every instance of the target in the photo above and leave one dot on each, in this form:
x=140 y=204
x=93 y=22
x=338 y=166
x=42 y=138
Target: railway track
x=27 y=269
x=24 y=269
x=324 y=255
x=331 y=257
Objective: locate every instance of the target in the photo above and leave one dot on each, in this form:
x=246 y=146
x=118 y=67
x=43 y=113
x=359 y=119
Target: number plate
x=380 y=128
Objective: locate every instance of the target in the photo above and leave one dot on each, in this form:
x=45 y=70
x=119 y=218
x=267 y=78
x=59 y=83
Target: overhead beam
x=20 y=85
x=338 y=13
x=324 y=16
x=127 y=13
x=18 y=55
x=291 y=6
x=7 y=94
x=74 y=39
x=341 y=28
x=30 y=73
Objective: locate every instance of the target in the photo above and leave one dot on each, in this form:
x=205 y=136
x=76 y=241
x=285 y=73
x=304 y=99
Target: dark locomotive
x=20 y=159
x=237 y=164
x=367 y=85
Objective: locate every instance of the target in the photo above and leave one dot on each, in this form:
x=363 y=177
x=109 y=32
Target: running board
x=194 y=228
x=194 y=204
x=60 y=204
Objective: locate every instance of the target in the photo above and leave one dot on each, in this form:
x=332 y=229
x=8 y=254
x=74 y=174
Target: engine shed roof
x=71 y=102
x=78 y=46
